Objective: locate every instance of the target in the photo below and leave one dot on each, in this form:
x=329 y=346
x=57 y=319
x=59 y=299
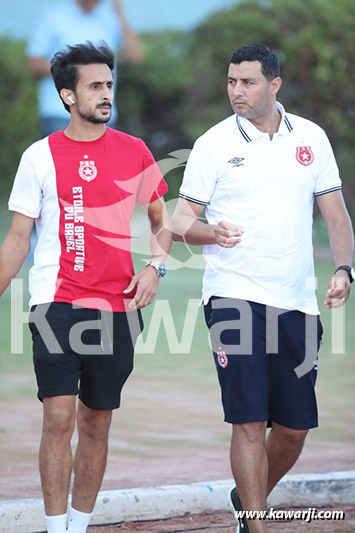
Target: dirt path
x=154 y=442
x=182 y=440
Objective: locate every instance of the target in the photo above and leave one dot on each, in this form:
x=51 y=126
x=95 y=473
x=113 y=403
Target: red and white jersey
x=82 y=195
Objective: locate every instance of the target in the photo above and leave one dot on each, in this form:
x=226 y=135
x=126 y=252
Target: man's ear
x=275 y=85
x=67 y=96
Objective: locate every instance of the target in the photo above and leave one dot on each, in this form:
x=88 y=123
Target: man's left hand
x=338 y=290
x=147 y=283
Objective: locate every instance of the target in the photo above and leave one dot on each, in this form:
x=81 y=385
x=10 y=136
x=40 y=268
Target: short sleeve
x=200 y=177
x=152 y=184
x=26 y=194
x=39 y=44
x=328 y=179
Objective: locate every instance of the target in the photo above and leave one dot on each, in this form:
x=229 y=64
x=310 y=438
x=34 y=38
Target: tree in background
x=179 y=91
x=18 y=124
x=314 y=42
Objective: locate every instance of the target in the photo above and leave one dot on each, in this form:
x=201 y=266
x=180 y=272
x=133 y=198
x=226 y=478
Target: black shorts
x=83 y=351
x=265 y=374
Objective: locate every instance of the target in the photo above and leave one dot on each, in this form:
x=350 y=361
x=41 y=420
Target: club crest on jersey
x=87 y=170
x=304 y=155
x=222 y=359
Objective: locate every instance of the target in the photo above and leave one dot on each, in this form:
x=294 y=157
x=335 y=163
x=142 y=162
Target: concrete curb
x=304 y=490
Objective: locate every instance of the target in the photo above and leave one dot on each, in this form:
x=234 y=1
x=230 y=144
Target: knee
x=252 y=432
x=58 y=422
x=292 y=436
x=96 y=427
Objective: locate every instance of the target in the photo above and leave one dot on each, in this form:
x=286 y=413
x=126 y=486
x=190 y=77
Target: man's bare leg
x=55 y=459
x=283 y=447
x=91 y=455
x=250 y=466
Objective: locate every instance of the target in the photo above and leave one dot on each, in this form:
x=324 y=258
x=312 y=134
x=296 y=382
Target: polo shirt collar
x=251 y=133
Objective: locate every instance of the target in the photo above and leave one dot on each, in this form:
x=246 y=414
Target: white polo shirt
x=268 y=187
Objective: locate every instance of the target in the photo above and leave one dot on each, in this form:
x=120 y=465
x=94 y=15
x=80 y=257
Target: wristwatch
x=160 y=268
x=349 y=269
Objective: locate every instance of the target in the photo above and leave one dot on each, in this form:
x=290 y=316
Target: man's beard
x=91 y=116
x=259 y=109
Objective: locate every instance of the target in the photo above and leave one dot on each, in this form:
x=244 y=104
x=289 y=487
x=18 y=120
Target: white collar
x=251 y=133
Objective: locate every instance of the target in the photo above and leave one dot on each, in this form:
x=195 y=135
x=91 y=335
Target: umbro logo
x=237 y=161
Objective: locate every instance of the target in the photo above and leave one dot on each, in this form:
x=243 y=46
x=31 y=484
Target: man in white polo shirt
x=257 y=174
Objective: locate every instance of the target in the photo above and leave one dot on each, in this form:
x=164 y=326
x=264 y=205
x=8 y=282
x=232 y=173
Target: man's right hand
x=227 y=234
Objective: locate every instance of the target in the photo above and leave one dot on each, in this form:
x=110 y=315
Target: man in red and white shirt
x=80 y=186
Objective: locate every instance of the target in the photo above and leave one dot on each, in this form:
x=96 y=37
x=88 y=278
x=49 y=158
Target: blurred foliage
x=314 y=41
x=180 y=89
x=19 y=125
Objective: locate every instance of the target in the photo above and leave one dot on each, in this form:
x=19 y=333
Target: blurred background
x=179 y=89
x=171 y=404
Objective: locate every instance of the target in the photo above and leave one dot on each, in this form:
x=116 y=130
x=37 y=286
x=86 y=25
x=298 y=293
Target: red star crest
x=87 y=170
x=304 y=155
x=222 y=359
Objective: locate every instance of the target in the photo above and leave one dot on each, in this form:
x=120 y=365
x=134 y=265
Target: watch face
x=161 y=270
x=352 y=273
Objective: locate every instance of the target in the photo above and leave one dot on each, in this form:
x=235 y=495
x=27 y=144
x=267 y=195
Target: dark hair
x=65 y=63
x=259 y=52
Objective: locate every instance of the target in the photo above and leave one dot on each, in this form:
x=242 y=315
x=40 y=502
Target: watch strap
x=348 y=269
